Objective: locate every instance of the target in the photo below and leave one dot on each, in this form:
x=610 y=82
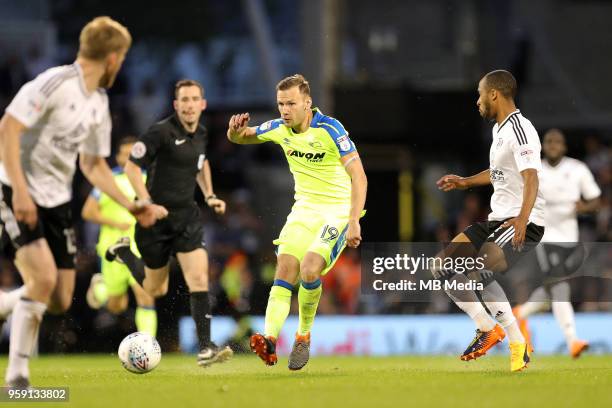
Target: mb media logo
x=311 y=157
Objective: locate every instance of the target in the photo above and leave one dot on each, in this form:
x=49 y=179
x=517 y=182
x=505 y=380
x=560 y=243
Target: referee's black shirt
x=172 y=157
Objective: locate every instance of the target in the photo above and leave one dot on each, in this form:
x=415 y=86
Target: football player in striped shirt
x=516 y=218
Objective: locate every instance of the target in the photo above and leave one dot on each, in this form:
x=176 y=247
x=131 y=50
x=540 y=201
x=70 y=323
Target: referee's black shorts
x=492 y=231
x=181 y=231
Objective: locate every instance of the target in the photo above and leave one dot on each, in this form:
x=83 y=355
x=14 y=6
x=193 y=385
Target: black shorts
x=492 y=231
x=556 y=261
x=181 y=231
x=54 y=224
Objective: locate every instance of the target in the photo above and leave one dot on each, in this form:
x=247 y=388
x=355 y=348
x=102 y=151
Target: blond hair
x=294 y=80
x=101 y=36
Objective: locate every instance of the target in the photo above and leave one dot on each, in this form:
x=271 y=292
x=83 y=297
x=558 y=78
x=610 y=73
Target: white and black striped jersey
x=62 y=120
x=562 y=186
x=516 y=147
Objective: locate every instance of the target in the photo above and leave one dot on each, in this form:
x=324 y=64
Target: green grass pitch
x=406 y=381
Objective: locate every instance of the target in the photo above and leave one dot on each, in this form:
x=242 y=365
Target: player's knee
x=287 y=270
x=44 y=284
x=197 y=281
x=486 y=277
x=309 y=272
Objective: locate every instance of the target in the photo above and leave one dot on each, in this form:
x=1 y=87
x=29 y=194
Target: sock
x=25 y=322
x=537 y=302
x=8 y=300
x=146 y=320
x=494 y=297
x=134 y=263
x=309 y=295
x=564 y=311
x=200 y=311
x=278 y=307
x=467 y=301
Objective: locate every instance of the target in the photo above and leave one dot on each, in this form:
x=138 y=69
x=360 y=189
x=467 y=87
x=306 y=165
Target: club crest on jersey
x=344 y=143
x=500 y=143
x=286 y=141
x=497 y=175
x=316 y=145
x=311 y=157
x=139 y=150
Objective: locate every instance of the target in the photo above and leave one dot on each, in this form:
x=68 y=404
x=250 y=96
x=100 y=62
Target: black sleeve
x=145 y=150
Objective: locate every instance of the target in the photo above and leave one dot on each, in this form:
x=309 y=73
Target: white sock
x=25 y=322
x=537 y=302
x=564 y=311
x=8 y=300
x=494 y=297
x=471 y=305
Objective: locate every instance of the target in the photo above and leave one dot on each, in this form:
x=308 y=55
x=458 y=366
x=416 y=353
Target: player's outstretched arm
x=10 y=141
x=359 y=188
x=239 y=132
x=134 y=175
x=99 y=174
x=91 y=212
x=451 y=182
x=204 y=179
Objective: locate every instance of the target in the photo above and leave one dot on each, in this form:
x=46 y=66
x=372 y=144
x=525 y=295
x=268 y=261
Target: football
x=139 y=353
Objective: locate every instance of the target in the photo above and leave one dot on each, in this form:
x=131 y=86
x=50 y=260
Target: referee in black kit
x=174 y=153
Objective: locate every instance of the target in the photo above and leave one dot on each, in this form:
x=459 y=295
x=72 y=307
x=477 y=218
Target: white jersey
x=62 y=120
x=516 y=147
x=562 y=186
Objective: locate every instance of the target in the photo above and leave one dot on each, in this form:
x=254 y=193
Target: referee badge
x=139 y=150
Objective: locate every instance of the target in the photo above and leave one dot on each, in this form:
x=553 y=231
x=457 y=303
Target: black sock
x=200 y=311
x=134 y=264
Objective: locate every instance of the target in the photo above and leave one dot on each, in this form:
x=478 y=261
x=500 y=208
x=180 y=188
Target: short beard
x=486 y=114
x=107 y=80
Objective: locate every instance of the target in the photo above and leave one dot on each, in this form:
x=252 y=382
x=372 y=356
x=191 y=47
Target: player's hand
x=147 y=214
x=353 y=234
x=24 y=208
x=217 y=205
x=581 y=207
x=452 y=182
x=520 y=227
x=238 y=124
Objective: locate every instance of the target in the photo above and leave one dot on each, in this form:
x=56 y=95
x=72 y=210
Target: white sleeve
x=526 y=147
x=98 y=142
x=588 y=187
x=31 y=102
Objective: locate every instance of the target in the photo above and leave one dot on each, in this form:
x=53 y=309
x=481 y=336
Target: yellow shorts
x=307 y=230
x=117 y=277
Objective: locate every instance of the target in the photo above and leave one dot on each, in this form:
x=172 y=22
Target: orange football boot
x=483 y=342
x=265 y=348
x=578 y=347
